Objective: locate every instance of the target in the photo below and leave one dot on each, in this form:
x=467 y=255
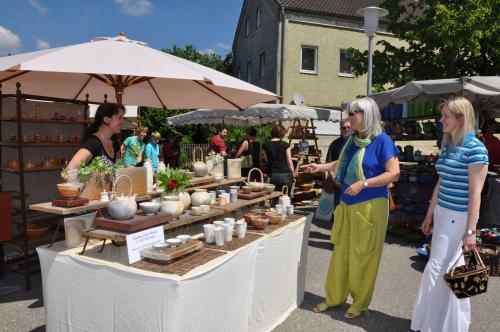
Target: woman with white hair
x=452 y=218
x=367 y=164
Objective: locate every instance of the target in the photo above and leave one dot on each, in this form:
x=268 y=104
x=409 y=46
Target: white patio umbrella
x=255 y=115
x=128 y=72
x=483 y=91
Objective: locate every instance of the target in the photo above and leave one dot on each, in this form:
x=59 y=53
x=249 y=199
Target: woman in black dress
x=278 y=158
x=251 y=148
x=101 y=139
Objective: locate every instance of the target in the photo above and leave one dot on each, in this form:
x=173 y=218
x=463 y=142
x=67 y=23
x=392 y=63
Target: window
x=262 y=64
x=309 y=60
x=247 y=28
x=249 y=71
x=259 y=16
x=345 y=68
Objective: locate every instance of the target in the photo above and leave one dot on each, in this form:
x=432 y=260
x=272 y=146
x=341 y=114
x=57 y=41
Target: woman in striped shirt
x=452 y=218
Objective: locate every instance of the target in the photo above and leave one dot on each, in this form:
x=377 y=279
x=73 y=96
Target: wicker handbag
x=470 y=279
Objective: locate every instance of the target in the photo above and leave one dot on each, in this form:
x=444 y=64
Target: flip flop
x=320 y=307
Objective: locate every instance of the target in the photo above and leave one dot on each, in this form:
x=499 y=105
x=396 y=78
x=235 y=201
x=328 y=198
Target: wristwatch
x=470 y=232
x=365 y=184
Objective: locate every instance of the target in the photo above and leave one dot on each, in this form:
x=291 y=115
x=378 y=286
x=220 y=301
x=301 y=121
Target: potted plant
x=173 y=182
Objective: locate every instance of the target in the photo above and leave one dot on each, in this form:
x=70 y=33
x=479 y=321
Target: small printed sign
x=141 y=240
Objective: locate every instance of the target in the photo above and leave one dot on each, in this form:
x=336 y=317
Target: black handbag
x=470 y=279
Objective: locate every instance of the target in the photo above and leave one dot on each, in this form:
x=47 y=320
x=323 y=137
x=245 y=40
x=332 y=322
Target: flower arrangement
x=214 y=157
x=173 y=180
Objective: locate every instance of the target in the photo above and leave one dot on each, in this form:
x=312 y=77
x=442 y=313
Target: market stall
x=251 y=288
x=411 y=116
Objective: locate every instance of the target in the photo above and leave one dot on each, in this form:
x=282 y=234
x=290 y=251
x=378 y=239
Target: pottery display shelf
x=224 y=182
x=243 y=204
x=119 y=238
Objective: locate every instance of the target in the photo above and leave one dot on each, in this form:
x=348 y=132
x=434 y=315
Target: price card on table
x=141 y=240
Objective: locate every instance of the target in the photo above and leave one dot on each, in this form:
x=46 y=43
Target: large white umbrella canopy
x=128 y=70
x=483 y=91
x=255 y=115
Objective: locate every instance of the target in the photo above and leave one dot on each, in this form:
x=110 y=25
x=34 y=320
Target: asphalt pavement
x=390 y=310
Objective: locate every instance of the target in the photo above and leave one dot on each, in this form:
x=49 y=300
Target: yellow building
x=299 y=46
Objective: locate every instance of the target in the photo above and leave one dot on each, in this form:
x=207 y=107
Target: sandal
x=320 y=307
x=350 y=315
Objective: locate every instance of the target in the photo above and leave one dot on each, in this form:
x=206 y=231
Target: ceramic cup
x=205 y=209
x=234 y=188
x=289 y=210
x=229 y=228
x=104 y=196
x=280 y=208
x=220 y=234
x=208 y=231
x=213 y=197
x=218 y=223
x=234 y=196
x=229 y=221
x=228 y=197
x=220 y=192
x=221 y=200
x=241 y=229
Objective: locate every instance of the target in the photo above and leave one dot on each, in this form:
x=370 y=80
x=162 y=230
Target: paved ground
x=391 y=308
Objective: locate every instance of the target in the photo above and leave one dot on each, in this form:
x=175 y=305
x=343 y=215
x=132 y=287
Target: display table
x=253 y=288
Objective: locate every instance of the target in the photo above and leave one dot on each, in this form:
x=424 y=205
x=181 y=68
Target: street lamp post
x=371 y=16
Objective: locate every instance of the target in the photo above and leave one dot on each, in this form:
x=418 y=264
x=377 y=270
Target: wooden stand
x=252 y=195
x=138 y=223
x=69 y=202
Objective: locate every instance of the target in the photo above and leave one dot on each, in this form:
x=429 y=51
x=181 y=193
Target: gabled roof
x=345 y=8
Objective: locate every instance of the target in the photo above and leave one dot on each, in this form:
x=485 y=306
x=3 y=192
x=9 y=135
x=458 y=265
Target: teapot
x=199 y=167
x=254 y=185
x=123 y=207
x=285 y=199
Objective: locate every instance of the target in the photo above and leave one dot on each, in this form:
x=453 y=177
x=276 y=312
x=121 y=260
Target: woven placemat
x=235 y=243
x=179 y=266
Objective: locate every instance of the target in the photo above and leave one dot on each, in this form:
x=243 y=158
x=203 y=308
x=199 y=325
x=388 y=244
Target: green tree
x=156 y=118
x=445 y=39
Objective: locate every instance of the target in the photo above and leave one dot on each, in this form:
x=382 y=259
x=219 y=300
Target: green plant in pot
x=173 y=182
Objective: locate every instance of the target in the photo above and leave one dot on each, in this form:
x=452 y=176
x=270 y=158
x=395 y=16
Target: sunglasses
x=351 y=113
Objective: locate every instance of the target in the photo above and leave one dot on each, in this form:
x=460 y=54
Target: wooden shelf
x=33 y=120
x=36 y=169
x=39 y=145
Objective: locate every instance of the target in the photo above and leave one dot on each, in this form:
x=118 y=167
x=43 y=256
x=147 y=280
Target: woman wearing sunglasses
x=367 y=164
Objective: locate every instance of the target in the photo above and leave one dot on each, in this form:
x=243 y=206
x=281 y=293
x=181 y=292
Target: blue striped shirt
x=452 y=168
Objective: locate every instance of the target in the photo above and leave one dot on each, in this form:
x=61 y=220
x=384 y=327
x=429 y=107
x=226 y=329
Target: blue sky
x=30 y=25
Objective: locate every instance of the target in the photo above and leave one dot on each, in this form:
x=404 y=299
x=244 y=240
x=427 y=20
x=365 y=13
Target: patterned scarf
x=353 y=172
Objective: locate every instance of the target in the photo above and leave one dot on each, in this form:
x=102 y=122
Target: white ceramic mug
x=208 y=231
x=213 y=197
x=234 y=188
x=280 y=208
x=218 y=223
x=229 y=221
x=229 y=228
x=234 y=196
x=220 y=234
x=289 y=210
x=241 y=229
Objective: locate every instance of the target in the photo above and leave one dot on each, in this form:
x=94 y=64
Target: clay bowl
x=70 y=190
x=35 y=230
x=248 y=216
x=275 y=218
x=269 y=187
x=246 y=189
x=260 y=222
x=149 y=208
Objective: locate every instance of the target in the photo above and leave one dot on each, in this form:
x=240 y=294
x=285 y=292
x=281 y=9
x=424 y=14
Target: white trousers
x=437 y=309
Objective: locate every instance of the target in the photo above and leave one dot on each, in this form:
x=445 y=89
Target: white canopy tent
x=482 y=91
x=259 y=114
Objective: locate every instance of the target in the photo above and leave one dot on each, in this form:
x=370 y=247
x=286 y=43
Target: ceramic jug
x=285 y=199
x=199 y=167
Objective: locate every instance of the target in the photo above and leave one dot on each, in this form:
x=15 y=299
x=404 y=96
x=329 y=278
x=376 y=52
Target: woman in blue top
x=452 y=218
x=153 y=150
x=367 y=164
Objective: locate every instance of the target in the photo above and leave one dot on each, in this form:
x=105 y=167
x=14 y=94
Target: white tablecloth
x=253 y=288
